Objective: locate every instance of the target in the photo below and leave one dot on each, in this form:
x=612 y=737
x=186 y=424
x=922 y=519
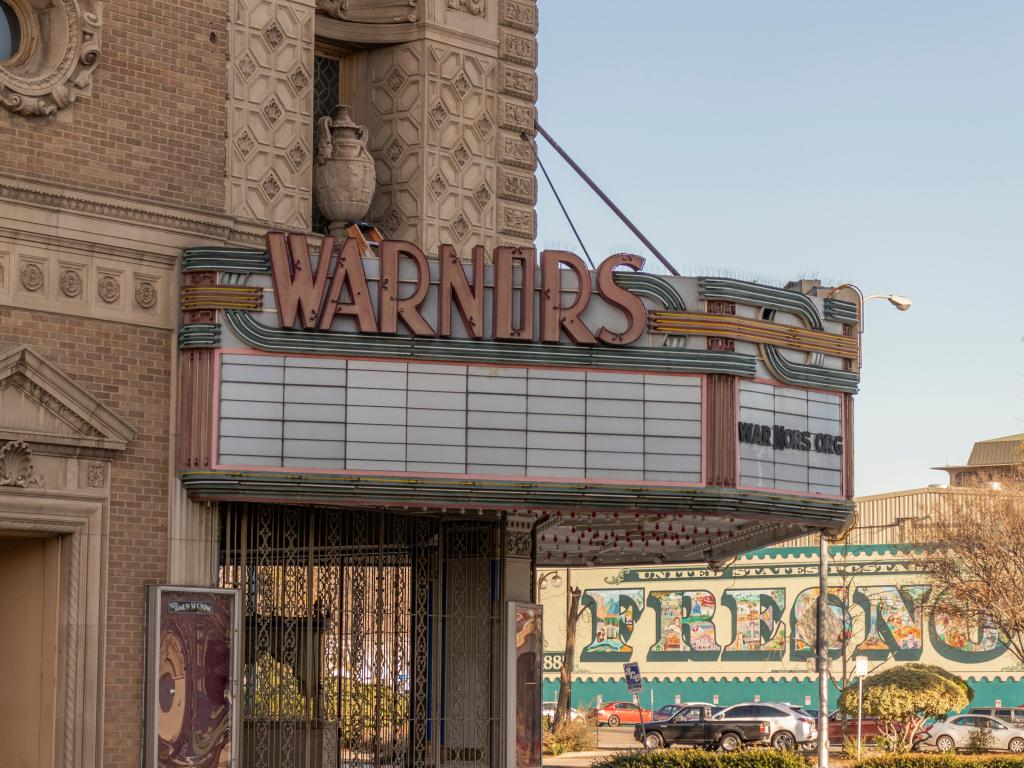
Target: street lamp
x=902 y=303
x=556 y=580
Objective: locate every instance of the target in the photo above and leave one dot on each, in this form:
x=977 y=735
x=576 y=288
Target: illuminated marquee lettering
x=314 y=296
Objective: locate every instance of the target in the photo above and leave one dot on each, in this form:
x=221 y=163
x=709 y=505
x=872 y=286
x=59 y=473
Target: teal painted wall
x=585 y=692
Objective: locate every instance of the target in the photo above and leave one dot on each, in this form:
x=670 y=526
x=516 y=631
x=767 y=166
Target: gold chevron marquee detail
x=756 y=331
x=221 y=297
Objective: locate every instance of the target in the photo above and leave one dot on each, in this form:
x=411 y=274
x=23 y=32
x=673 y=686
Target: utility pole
x=822 y=649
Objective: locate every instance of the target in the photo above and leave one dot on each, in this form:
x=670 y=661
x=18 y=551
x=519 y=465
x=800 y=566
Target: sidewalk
x=577 y=759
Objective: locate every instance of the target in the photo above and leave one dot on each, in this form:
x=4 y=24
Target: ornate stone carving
x=60 y=47
x=521 y=117
x=519 y=222
x=518 y=544
x=518 y=48
x=108 y=288
x=32 y=277
x=370 y=11
x=345 y=177
x=16 y=467
x=512 y=150
x=519 y=15
x=97 y=474
x=516 y=186
x=70 y=283
x=145 y=294
x=518 y=82
x=475 y=7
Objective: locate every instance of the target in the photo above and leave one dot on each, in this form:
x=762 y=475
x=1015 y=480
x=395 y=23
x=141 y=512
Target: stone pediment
x=42 y=406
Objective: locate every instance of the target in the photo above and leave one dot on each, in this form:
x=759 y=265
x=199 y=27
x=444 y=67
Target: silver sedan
x=955 y=733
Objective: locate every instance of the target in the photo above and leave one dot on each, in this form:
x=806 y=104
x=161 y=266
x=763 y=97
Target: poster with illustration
x=193 y=685
x=525 y=621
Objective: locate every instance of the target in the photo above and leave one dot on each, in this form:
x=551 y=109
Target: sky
x=873 y=142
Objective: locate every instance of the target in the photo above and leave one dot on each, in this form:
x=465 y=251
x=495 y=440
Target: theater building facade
x=273 y=489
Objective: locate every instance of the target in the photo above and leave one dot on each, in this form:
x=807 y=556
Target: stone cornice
x=210 y=227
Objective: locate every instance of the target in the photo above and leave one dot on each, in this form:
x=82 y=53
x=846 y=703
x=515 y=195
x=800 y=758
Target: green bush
x=697 y=758
x=867 y=744
x=948 y=760
x=577 y=735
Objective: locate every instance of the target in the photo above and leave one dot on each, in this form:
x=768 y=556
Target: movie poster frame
x=511 y=687
x=154 y=594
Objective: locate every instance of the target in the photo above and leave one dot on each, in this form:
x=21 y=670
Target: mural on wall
x=614 y=613
x=758 y=617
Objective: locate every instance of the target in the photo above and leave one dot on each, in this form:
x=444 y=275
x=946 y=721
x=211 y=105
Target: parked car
x=789 y=727
x=869 y=726
x=618 y=712
x=666 y=712
x=1011 y=715
x=695 y=726
x=547 y=709
x=955 y=733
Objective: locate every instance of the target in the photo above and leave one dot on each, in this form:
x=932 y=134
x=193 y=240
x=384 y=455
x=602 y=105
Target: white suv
x=788 y=727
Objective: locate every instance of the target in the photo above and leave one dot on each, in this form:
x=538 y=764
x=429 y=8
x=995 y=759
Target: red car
x=869 y=727
x=622 y=712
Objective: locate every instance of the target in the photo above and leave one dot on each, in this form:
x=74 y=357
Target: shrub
x=574 y=736
x=903 y=697
x=867 y=743
x=979 y=740
x=698 y=758
x=948 y=760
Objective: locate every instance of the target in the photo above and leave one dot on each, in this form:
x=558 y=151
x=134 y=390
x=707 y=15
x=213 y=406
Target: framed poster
x=524 y=646
x=192 y=690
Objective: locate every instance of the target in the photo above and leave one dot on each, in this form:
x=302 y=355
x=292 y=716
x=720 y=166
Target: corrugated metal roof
x=998 y=450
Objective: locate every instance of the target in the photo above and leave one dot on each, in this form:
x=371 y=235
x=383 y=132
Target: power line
x=566 y=213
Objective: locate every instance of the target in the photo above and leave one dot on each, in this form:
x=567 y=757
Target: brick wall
x=128 y=369
x=153 y=127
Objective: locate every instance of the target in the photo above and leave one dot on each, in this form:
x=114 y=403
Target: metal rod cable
x=607 y=200
x=568 y=218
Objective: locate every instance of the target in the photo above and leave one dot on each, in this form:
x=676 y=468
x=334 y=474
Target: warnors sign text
x=316 y=294
x=781 y=438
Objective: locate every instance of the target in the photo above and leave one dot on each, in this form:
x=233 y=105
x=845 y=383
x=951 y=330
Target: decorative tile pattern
x=271 y=112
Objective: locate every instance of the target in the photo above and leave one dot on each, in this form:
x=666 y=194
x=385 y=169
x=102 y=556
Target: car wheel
x=945 y=744
x=809 y=746
x=653 y=741
x=783 y=740
x=1016 y=745
x=613 y=720
x=729 y=742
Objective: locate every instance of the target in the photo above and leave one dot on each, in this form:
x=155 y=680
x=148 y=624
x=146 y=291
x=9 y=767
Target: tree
x=565 y=675
x=973 y=553
x=903 y=697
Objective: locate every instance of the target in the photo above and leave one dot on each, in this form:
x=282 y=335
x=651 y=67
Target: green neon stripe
x=194 y=335
x=844 y=312
x=799 y=374
x=531 y=494
x=762 y=295
x=218 y=259
x=655 y=287
x=662 y=359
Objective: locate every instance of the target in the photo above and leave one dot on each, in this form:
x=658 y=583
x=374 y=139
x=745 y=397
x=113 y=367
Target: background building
x=741 y=631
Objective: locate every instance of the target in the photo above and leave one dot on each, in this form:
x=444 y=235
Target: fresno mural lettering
x=891 y=623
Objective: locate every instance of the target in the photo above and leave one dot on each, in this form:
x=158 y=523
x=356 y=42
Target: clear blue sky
x=875 y=142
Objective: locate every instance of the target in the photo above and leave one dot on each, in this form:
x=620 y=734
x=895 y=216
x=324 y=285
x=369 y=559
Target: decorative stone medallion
x=145 y=294
x=16 y=466
x=97 y=474
x=32 y=277
x=109 y=289
x=70 y=283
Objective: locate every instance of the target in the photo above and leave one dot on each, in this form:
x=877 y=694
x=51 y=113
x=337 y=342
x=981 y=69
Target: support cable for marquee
x=565 y=213
x=607 y=200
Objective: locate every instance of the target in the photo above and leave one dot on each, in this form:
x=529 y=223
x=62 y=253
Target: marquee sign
x=511 y=380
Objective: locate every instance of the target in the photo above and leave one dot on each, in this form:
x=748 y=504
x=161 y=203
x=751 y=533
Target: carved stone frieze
x=475 y=7
x=16 y=467
x=58 y=51
x=521 y=49
x=519 y=187
x=517 y=221
x=370 y=11
x=519 y=15
x=97 y=474
x=517 y=116
x=513 y=150
x=518 y=544
x=520 y=83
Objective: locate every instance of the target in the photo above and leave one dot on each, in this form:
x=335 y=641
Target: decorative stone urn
x=345 y=177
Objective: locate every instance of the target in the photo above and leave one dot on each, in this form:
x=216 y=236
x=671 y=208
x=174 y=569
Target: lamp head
x=902 y=303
